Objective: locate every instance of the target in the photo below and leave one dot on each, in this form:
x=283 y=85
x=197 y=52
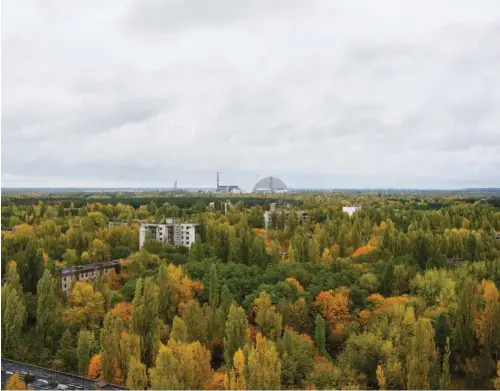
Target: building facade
x=302 y=215
x=172 y=232
x=86 y=273
x=350 y=209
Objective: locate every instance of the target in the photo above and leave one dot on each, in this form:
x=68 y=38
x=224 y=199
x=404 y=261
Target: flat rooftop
x=90 y=266
x=41 y=377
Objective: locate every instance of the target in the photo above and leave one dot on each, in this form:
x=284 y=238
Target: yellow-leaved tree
x=15 y=383
x=235 y=379
x=264 y=365
x=181 y=365
x=86 y=307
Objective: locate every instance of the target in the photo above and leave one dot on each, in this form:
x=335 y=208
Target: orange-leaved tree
x=94 y=371
x=334 y=307
x=15 y=383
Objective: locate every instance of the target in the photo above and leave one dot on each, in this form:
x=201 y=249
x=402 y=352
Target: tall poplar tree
x=264 y=365
x=421 y=355
x=47 y=308
x=445 y=381
x=84 y=350
x=319 y=336
x=136 y=377
x=464 y=318
x=213 y=298
x=167 y=299
x=179 y=330
x=144 y=320
x=196 y=322
x=110 y=345
x=236 y=332
x=267 y=317
x=13 y=316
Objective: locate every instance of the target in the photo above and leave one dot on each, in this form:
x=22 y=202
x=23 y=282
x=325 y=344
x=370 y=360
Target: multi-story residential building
x=350 y=209
x=217 y=206
x=86 y=273
x=301 y=214
x=172 y=232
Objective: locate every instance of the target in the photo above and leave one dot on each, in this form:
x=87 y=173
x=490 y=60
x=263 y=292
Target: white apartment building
x=219 y=206
x=172 y=232
x=350 y=209
x=302 y=215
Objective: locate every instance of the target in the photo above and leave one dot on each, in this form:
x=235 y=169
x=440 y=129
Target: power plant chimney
x=218 y=180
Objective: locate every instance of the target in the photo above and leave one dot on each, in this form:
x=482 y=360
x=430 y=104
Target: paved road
x=42 y=377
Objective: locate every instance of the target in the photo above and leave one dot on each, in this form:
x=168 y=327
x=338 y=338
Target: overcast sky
x=363 y=93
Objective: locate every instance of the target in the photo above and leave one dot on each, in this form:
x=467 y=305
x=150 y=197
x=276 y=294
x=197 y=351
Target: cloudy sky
x=332 y=93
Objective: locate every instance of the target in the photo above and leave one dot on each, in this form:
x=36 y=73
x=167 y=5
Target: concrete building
x=350 y=209
x=86 y=273
x=112 y=224
x=227 y=188
x=302 y=215
x=172 y=232
x=38 y=378
x=217 y=206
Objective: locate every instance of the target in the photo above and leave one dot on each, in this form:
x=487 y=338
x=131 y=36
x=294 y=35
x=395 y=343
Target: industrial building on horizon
x=226 y=188
x=270 y=185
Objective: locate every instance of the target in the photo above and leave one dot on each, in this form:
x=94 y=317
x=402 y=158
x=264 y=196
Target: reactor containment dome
x=270 y=185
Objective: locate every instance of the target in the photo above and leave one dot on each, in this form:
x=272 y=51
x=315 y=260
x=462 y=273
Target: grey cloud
x=320 y=93
x=168 y=16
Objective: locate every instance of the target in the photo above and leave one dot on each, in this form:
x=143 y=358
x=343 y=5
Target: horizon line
x=194 y=187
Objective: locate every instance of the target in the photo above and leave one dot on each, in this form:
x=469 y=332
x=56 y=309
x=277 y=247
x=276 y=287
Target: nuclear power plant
x=226 y=188
x=270 y=185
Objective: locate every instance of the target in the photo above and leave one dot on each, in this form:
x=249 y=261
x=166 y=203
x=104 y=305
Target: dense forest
x=403 y=294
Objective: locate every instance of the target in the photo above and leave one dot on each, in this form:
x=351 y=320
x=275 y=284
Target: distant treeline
x=79 y=201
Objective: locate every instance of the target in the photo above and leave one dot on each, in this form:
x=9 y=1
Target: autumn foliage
x=217 y=382
x=123 y=309
x=15 y=383
x=94 y=371
x=295 y=283
x=184 y=288
x=363 y=250
x=334 y=307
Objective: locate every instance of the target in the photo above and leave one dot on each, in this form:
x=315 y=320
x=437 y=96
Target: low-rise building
x=86 y=273
x=172 y=232
x=454 y=260
x=112 y=224
x=350 y=209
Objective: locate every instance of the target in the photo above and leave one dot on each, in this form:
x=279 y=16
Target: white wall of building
x=184 y=234
x=350 y=209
